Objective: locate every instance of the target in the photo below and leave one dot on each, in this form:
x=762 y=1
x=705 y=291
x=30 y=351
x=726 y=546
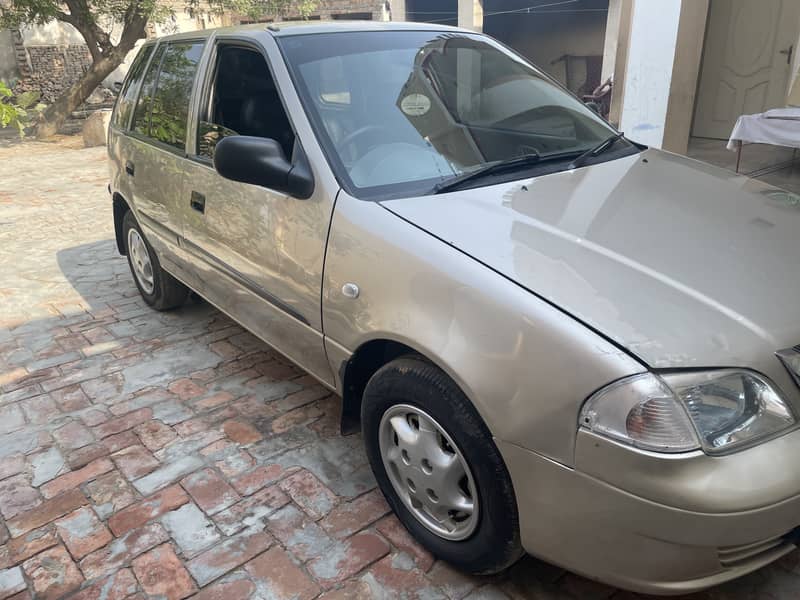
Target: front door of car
x=256 y=253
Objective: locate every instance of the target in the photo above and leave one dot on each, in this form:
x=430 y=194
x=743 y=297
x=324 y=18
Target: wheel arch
x=120 y=208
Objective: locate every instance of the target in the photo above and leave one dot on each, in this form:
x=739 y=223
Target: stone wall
x=53 y=68
x=375 y=10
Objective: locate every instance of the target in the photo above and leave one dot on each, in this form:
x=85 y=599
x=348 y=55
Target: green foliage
x=18 y=111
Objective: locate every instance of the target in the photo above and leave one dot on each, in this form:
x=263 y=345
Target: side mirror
x=261 y=161
x=593 y=106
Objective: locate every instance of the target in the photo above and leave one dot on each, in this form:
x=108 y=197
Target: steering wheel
x=351 y=137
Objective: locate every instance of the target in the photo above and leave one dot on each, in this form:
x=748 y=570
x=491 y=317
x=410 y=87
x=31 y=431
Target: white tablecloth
x=779 y=127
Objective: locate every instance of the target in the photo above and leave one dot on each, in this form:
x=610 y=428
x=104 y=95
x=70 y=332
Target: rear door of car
x=156 y=158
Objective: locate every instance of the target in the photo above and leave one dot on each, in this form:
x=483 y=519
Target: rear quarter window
x=127 y=96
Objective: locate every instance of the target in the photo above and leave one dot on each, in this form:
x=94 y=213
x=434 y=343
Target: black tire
x=167 y=292
x=495 y=543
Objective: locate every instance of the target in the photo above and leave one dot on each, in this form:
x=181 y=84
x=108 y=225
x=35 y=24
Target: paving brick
x=82 y=532
x=298 y=416
x=161 y=574
x=191 y=529
x=210 y=491
x=33 y=542
x=39 y=409
x=155 y=434
x=300 y=535
x=396 y=576
x=117 y=442
x=241 y=432
x=347 y=558
x=347 y=518
x=77 y=459
x=11 y=418
x=75 y=478
x=235 y=589
x=186 y=445
x=251 y=511
x=276 y=576
x=47 y=511
x=260 y=477
x=70 y=398
x=122 y=550
x=11 y=465
x=119 y=586
x=73 y=435
x=46 y=465
x=148 y=509
x=123 y=423
x=52 y=573
x=11 y=582
x=235 y=463
x=135 y=461
x=454 y=583
x=186 y=389
x=167 y=474
x=310 y=493
x=17 y=495
x=399 y=537
x=213 y=401
x=110 y=493
x=93 y=417
x=228 y=555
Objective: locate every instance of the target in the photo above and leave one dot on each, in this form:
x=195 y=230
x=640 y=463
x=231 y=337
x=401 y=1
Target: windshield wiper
x=596 y=151
x=495 y=167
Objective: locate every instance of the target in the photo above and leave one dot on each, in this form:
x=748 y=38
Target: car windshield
x=402 y=112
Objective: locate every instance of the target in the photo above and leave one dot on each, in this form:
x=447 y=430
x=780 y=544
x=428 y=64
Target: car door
x=256 y=253
x=156 y=159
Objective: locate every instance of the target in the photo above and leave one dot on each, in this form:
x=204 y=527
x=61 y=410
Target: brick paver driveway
x=160 y=455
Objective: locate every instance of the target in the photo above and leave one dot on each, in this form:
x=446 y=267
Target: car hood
x=681 y=263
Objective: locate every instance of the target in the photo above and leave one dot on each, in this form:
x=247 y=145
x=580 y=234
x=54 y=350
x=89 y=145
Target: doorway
x=747 y=62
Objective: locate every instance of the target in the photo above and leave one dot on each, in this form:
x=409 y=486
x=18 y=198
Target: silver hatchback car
x=554 y=340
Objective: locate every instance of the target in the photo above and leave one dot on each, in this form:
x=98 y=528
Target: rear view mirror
x=261 y=161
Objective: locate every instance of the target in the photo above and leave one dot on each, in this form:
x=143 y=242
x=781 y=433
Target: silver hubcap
x=428 y=472
x=140 y=259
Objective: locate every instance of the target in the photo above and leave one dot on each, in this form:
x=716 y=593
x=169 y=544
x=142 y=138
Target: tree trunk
x=57 y=113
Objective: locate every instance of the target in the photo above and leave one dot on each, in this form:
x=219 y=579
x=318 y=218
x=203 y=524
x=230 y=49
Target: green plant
x=17 y=111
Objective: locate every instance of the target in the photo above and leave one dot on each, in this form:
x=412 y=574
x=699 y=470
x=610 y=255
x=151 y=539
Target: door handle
x=788 y=52
x=129 y=168
x=198 y=202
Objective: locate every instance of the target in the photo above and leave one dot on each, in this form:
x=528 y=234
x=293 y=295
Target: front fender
x=526 y=366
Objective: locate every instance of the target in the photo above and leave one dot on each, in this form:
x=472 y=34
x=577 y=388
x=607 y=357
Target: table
x=778 y=127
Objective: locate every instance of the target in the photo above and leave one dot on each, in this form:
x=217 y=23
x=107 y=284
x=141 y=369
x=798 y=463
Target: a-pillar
x=470 y=14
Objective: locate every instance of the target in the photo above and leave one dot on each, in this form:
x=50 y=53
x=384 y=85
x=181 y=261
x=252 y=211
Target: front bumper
x=655 y=523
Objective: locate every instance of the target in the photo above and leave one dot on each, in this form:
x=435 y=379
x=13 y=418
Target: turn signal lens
x=643 y=412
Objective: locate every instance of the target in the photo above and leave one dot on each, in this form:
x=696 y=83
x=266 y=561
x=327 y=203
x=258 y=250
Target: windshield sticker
x=415 y=105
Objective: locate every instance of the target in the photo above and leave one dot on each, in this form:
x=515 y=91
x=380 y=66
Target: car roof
x=289 y=28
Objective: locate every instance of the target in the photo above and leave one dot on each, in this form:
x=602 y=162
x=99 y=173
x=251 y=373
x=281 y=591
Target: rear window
x=162 y=110
x=170 y=110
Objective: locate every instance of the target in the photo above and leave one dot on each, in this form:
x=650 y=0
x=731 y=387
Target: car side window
x=141 y=115
x=170 y=106
x=243 y=100
x=127 y=96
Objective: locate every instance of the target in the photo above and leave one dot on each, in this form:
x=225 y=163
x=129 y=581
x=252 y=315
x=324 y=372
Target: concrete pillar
x=615 y=52
x=397 y=10
x=662 y=66
x=470 y=14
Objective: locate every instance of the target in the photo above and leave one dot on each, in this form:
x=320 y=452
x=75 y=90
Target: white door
x=746 y=62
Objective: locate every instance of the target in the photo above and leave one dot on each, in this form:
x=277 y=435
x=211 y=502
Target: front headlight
x=677 y=412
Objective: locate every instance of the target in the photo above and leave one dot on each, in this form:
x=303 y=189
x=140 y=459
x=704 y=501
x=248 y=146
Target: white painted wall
x=54 y=33
x=651 y=55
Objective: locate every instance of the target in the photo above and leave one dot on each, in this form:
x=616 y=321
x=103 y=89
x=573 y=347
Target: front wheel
x=158 y=288
x=436 y=463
